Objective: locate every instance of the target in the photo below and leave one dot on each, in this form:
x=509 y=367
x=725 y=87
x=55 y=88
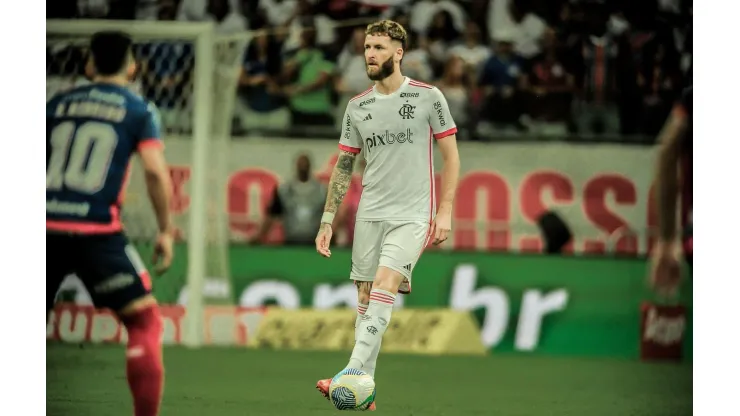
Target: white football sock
x=371 y=328
x=361 y=309
x=373 y=361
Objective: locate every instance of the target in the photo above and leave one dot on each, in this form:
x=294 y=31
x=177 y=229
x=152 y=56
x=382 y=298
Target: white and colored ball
x=352 y=390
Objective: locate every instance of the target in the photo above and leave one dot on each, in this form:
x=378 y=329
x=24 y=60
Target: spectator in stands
x=500 y=80
x=305 y=18
x=416 y=62
x=456 y=85
x=440 y=36
x=279 y=12
x=471 y=50
x=310 y=90
x=605 y=45
x=477 y=11
x=551 y=87
x=351 y=74
x=424 y=13
x=93 y=9
x=149 y=9
x=225 y=13
x=298 y=204
x=260 y=104
x=659 y=81
x=514 y=19
x=597 y=110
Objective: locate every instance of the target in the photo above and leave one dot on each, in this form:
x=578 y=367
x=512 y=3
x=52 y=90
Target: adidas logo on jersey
x=368 y=117
x=388 y=138
x=407 y=267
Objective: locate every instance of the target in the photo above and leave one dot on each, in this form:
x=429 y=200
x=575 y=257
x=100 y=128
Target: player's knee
x=145 y=327
x=387 y=279
x=136 y=305
x=142 y=316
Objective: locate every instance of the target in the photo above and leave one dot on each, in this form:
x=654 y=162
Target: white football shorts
x=396 y=245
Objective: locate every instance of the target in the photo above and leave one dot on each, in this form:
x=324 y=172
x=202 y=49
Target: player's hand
x=163 y=253
x=665 y=268
x=441 y=227
x=323 y=239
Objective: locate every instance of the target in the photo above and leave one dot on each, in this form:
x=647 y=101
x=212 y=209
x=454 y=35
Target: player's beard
x=384 y=71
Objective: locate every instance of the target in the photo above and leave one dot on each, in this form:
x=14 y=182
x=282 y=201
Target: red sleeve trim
x=362 y=94
x=445 y=133
x=420 y=84
x=350 y=149
x=149 y=143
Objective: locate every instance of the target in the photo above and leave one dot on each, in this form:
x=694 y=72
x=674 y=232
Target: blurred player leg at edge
x=674 y=173
x=396 y=123
x=92 y=132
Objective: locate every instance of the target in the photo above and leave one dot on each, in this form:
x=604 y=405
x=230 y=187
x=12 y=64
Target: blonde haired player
x=396 y=123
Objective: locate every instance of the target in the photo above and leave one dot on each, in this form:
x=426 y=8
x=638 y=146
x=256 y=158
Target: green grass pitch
x=90 y=380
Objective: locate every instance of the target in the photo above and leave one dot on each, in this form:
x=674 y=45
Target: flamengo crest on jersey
x=395 y=133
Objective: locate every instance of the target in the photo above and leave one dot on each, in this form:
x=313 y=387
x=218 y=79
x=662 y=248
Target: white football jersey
x=395 y=133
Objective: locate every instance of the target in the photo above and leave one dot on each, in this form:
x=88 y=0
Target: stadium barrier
x=555 y=305
x=429 y=332
x=598 y=190
x=223 y=325
x=662 y=329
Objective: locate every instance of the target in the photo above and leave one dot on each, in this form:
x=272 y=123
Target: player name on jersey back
x=91 y=133
x=395 y=133
x=110 y=107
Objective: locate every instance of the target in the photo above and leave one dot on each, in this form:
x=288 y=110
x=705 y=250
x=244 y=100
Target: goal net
x=190 y=74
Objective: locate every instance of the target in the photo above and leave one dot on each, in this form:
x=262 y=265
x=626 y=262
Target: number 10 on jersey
x=80 y=156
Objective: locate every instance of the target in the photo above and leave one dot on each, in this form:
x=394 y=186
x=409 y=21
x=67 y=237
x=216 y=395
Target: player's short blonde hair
x=389 y=28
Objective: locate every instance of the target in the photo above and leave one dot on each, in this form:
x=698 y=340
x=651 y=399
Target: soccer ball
x=352 y=390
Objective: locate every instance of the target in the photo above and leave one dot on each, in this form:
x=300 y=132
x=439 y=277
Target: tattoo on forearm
x=340 y=180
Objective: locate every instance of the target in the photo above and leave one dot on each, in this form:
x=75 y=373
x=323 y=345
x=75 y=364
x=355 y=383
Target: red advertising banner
x=603 y=192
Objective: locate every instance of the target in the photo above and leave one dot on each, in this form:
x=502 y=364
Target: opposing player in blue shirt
x=91 y=134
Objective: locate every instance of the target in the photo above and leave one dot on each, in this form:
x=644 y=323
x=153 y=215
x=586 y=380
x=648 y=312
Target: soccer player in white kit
x=394 y=124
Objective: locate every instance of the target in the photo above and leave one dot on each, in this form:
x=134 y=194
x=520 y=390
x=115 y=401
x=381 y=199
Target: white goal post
x=196 y=103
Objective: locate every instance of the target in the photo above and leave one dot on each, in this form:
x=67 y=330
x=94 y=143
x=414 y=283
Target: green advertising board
x=587 y=306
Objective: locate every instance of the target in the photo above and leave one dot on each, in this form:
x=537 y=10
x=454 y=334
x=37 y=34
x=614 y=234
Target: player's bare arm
x=450 y=176
x=341 y=177
x=665 y=272
x=669 y=154
x=159 y=188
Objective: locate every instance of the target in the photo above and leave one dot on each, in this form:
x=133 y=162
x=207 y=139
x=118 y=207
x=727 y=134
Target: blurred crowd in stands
x=545 y=68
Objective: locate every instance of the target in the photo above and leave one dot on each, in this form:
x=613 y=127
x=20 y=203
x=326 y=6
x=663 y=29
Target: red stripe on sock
x=382 y=295
x=382 y=298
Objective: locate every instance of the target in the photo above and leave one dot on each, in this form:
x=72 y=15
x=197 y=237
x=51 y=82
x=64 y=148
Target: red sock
x=144 y=368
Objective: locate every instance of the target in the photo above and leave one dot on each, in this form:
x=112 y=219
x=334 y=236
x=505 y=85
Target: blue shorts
x=108 y=265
